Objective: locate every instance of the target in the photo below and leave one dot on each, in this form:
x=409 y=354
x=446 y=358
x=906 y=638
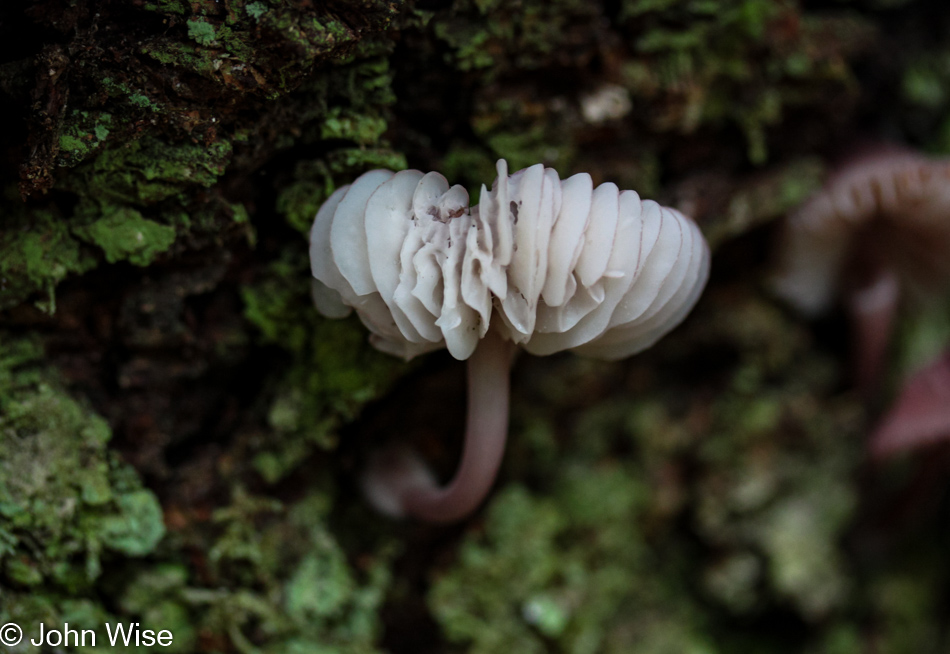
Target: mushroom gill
x=543 y=263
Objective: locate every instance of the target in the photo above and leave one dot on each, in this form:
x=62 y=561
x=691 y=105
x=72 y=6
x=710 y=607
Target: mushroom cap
x=889 y=207
x=561 y=264
x=390 y=246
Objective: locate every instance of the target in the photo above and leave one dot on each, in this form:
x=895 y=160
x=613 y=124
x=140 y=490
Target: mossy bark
x=180 y=432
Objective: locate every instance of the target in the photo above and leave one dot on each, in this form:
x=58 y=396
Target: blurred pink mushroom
x=921 y=414
x=878 y=231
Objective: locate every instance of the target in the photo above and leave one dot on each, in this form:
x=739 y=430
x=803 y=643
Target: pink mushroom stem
x=486 y=430
x=873 y=310
x=398 y=483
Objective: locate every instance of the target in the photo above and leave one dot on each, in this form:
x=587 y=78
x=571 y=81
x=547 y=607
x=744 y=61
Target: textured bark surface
x=180 y=432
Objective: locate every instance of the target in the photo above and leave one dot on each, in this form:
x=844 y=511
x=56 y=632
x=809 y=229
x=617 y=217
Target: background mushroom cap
x=562 y=264
x=889 y=207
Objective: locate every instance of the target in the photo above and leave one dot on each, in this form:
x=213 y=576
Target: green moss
x=36 y=253
x=65 y=499
x=572 y=567
x=690 y=500
x=300 y=200
x=74 y=522
x=523 y=149
x=315 y=180
x=40 y=248
x=123 y=234
x=698 y=57
x=167 y=6
x=281 y=583
x=363 y=129
x=497 y=37
x=523 y=135
x=201 y=31
x=255 y=9
x=349 y=159
x=689 y=60
x=148 y=171
x=141 y=188
x=309 y=599
x=470 y=167
x=333 y=370
x=923 y=86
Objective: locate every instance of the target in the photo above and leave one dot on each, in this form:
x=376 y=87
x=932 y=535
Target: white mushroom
x=547 y=264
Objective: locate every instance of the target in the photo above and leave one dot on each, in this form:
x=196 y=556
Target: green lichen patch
x=777 y=493
x=144 y=193
x=279 y=581
x=332 y=372
x=309 y=597
x=255 y=9
x=362 y=128
x=36 y=253
x=696 y=58
x=498 y=37
x=572 y=568
x=200 y=91
x=123 y=234
x=65 y=499
x=149 y=170
x=201 y=31
x=83 y=136
x=198 y=68
x=41 y=247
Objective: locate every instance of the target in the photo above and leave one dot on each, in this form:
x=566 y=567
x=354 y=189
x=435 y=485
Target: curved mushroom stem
x=873 y=310
x=398 y=483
